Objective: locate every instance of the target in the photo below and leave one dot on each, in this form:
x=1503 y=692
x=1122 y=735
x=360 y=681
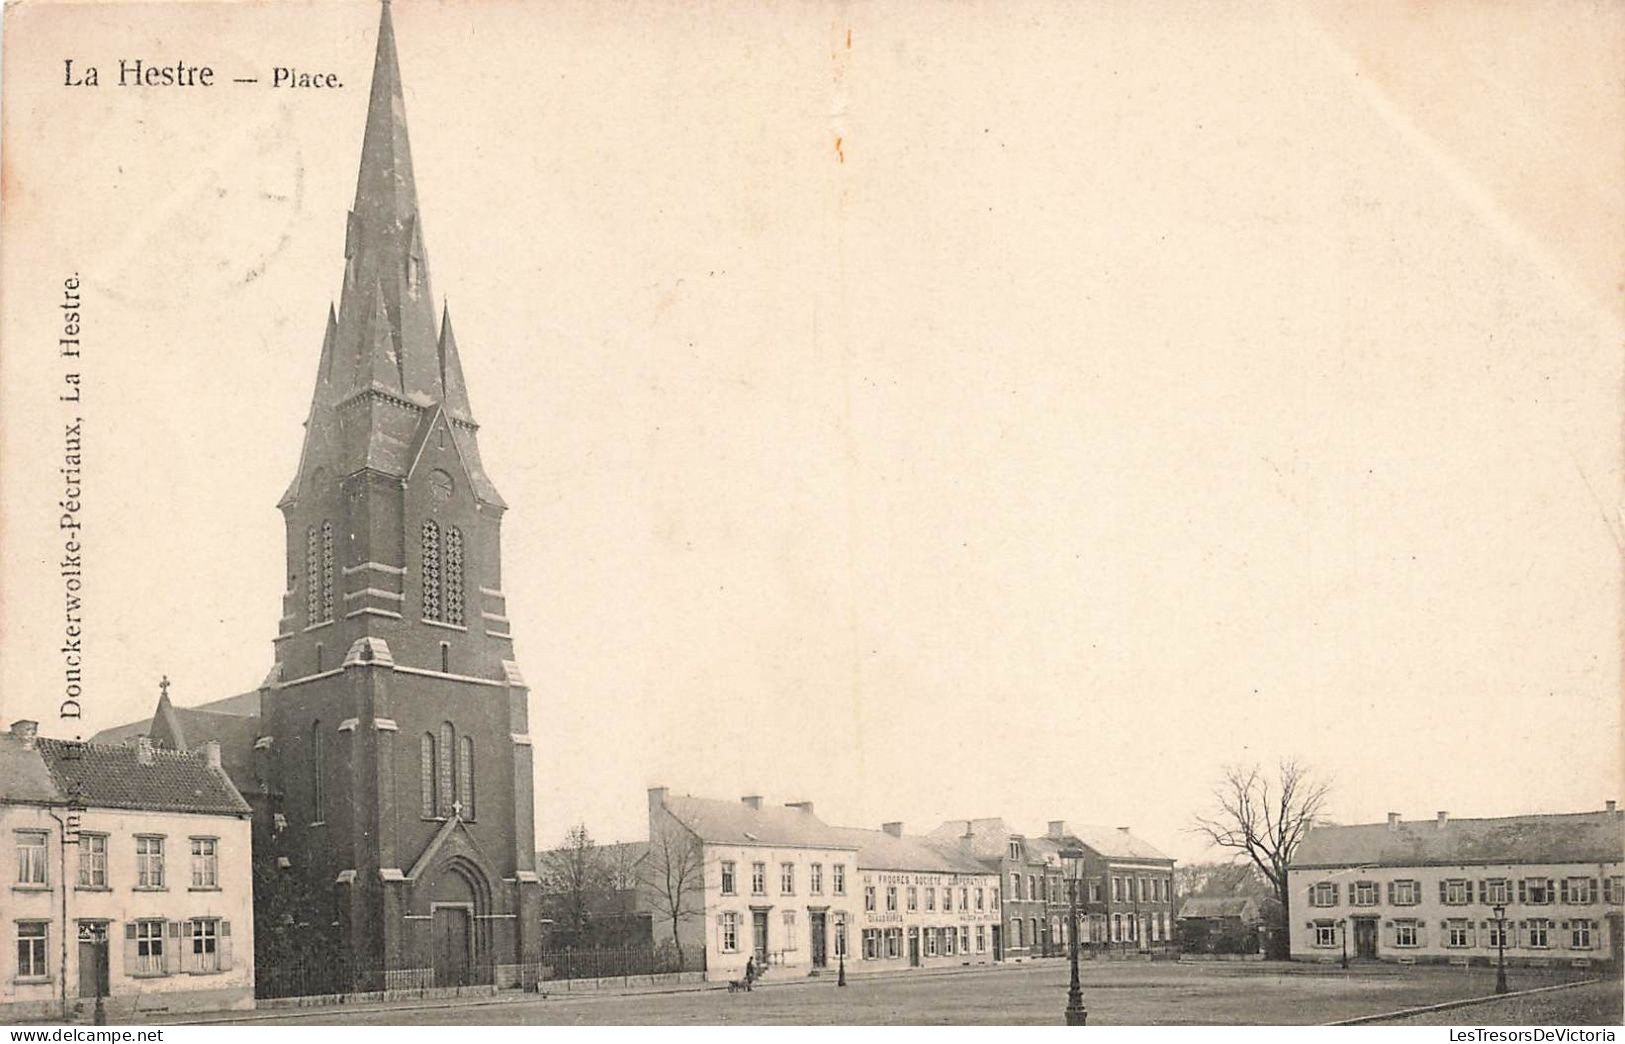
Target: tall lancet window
x=318 y=782
x=327 y=570
x=426 y=774
x=465 y=776
x=433 y=608
x=454 y=576
x=447 y=784
x=319 y=574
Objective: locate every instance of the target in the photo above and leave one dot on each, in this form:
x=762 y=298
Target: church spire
x=451 y=370
x=384 y=251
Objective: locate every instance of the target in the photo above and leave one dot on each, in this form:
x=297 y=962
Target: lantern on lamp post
x=1072 y=868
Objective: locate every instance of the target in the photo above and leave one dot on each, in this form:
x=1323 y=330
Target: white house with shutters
x=1428 y=891
x=128 y=872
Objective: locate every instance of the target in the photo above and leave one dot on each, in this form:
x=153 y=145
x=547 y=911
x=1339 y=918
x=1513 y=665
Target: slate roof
x=23 y=776
x=1242 y=906
x=735 y=823
x=878 y=850
x=1115 y=844
x=112 y=777
x=242 y=705
x=989 y=837
x=1576 y=837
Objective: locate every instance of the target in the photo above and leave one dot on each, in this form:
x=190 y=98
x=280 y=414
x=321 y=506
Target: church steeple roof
x=384 y=252
x=383 y=339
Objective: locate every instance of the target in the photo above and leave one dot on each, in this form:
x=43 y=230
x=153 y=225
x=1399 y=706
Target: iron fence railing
x=311 y=976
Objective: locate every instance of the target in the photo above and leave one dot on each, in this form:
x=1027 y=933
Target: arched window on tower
x=318 y=782
x=465 y=776
x=426 y=775
x=446 y=784
x=327 y=570
x=319 y=574
x=453 y=573
x=433 y=608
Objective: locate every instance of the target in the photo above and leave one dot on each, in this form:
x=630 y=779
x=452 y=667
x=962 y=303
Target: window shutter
x=1563 y=890
x=1421 y=933
x=1472 y=934
x=1392 y=934
x=1483 y=890
x=1591 y=889
x=173 y=939
x=1444 y=892
x=1522 y=891
x=1390 y=893
x=129 y=948
x=225 y=946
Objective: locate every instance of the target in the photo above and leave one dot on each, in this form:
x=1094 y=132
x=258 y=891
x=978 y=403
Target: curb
x=1468 y=1002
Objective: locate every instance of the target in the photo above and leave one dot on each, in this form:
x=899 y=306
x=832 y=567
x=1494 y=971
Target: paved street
x=1116 y=994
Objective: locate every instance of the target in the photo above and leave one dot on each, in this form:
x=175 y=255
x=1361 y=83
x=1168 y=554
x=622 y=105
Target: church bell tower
x=397 y=720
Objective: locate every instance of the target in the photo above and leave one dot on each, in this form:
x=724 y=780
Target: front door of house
x=819 y=942
x=453 y=942
x=1365 y=937
x=998 y=947
x=758 y=928
x=914 y=947
x=92 y=958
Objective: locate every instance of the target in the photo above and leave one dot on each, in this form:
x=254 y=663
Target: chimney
x=143 y=750
x=894 y=829
x=1612 y=806
x=657 y=806
x=970 y=831
x=28 y=731
x=753 y=801
x=1122 y=830
x=1444 y=817
x=211 y=753
x=800 y=806
x=1057 y=828
x=1393 y=821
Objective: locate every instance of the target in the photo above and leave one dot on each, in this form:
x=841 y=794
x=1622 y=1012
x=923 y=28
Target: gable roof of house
x=106 y=776
x=1576 y=837
x=1115 y=843
x=987 y=839
x=735 y=823
x=23 y=775
x=1242 y=906
x=878 y=850
x=233 y=722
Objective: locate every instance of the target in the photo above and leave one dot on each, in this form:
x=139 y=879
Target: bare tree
x=575 y=874
x=673 y=877
x=1265 y=820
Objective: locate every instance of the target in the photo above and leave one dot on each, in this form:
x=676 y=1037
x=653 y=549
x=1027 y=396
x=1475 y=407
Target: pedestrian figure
x=750 y=971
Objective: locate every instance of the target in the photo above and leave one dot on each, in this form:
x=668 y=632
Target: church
x=387 y=754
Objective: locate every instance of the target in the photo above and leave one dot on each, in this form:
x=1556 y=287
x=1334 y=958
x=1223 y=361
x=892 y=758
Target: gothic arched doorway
x=459 y=908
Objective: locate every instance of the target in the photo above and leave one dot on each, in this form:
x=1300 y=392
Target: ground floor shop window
x=894 y=942
x=981 y=938
x=871 y=944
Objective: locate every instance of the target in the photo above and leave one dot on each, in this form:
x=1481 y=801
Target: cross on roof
x=163 y=686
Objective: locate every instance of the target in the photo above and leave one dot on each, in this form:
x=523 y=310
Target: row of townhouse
x=777 y=883
x=1543 y=889
x=1127 y=893
x=127 y=871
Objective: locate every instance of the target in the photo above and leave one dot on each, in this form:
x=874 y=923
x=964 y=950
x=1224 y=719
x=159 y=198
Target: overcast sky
x=928 y=411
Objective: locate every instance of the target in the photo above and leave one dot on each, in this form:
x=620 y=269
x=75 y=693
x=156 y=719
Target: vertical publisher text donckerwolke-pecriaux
x=70 y=521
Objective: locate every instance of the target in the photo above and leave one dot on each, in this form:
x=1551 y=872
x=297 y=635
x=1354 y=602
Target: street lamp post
x=1343 y=932
x=1500 y=948
x=1072 y=861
